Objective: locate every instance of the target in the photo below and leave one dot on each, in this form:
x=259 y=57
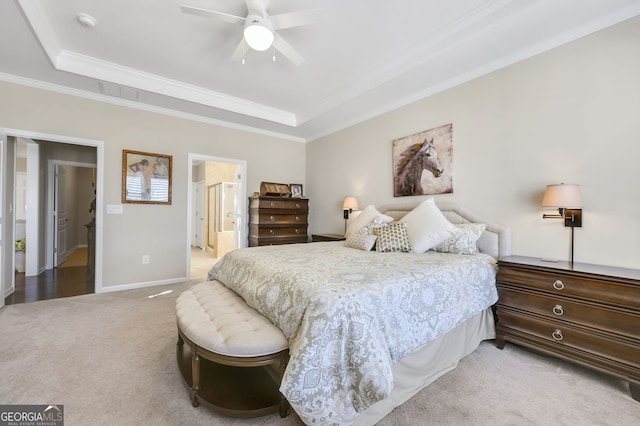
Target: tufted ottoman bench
x=223 y=335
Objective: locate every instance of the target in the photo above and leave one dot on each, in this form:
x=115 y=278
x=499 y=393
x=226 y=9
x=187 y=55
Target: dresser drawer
x=265 y=218
x=272 y=241
x=280 y=204
x=278 y=231
x=616 y=320
x=592 y=288
x=617 y=349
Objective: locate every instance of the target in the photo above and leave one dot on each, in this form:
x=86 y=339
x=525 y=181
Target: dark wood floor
x=51 y=284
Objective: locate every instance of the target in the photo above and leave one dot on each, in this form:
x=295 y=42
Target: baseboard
x=133 y=286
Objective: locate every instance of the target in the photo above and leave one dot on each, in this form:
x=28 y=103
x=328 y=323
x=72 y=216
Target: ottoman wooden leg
x=195 y=369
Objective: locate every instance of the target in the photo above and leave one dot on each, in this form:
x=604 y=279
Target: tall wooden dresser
x=584 y=313
x=277 y=220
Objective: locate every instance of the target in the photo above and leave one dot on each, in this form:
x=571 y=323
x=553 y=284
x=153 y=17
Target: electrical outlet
x=145 y=259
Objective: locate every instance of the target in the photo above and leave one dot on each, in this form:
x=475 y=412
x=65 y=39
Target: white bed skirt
x=425 y=365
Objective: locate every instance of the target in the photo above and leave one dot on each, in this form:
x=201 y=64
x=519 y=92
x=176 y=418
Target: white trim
x=51 y=87
x=103 y=70
x=99 y=145
x=133 y=286
x=242 y=196
x=503 y=62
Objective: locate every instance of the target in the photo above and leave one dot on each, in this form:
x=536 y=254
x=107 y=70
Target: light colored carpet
x=110 y=360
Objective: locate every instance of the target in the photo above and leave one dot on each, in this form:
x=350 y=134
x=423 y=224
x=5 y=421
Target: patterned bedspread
x=350 y=314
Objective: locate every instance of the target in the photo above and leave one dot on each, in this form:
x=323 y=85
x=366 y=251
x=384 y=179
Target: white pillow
x=361 y=241
x=427 y=227
x=464 y=241
x=363 y=220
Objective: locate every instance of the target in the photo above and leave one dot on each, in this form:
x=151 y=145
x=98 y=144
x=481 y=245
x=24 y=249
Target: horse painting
x=415 y=159
x=424 y=167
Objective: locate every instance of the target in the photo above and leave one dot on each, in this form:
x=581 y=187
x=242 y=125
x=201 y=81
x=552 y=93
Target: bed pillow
x=427 y=226
x=363 y=220
x=361 y=241
x=392 y=237
x=464 y=240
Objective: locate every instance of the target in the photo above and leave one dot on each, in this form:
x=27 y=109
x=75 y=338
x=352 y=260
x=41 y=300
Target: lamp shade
x=258 y=33
x=563 y=196
x=350 y=203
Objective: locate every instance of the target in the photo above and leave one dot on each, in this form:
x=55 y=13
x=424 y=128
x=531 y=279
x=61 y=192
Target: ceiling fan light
x=258 y=35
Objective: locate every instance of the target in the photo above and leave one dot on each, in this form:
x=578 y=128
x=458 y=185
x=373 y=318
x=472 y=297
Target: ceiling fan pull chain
x=274 y=53
x=243 y=48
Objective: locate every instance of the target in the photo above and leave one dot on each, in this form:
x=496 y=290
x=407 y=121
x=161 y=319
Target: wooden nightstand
x=327 y=237
x=588 y=314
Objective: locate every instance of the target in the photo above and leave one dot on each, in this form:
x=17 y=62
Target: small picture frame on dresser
x=296 y=190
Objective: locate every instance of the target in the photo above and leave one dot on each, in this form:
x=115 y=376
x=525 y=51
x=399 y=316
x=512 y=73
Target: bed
x=367 y=330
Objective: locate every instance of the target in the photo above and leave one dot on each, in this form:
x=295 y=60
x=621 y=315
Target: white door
x=198 y=221
x=60 y=215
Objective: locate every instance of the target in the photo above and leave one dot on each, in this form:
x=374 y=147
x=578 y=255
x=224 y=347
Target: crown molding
x=37 y=84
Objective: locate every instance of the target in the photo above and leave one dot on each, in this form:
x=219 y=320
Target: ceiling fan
x=260 y=27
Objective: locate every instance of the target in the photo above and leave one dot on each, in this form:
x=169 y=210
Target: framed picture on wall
x=422 y=163
x=296 y=190
x=146 y=177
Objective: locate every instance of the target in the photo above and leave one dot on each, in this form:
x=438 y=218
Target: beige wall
x=569 y=115
x=156 y=230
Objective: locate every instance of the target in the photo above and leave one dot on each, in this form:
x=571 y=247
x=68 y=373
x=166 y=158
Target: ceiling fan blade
x=232 y=19
x=239 y=52
x=256 y=7
x=287 y=50
x=296 y=19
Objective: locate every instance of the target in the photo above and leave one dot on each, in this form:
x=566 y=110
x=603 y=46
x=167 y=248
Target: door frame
x=99 y=145
x=242 y=196
x=197 y=196
x=50 y=225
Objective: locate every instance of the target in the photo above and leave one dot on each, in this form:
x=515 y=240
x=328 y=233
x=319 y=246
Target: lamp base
x=573 y=218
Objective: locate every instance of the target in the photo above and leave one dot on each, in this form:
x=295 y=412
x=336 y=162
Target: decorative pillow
x=427 y=227
x=392 y=237
x=379 y=222
x=361 y=241
x=464 y=240
x=363 y=219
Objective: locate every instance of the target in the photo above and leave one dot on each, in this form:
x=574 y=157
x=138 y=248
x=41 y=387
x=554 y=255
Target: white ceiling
x=368 y=57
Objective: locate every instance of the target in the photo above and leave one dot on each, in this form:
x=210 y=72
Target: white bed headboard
x=494 y=241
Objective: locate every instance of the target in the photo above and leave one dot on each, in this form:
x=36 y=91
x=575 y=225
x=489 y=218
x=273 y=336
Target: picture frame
x=296 y=190
x=146 y=177
x=422 y=162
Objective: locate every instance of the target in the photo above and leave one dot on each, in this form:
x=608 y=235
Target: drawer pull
x=273 y=219
x=273 y=204
x=557 y=335
x=297 y=231
x=297 y=205
x=271 y=231
x=297 y=219
x=558 y=285
x=558 y=310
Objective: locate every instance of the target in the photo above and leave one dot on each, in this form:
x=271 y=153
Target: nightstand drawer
x=618 y=350
x=616 y=320
x=596 y=289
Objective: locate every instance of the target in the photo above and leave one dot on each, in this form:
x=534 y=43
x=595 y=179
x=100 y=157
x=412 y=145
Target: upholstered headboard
x=494 y=241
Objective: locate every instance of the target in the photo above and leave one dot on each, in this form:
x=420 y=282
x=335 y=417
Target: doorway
x=217 y=211
x=41 y=279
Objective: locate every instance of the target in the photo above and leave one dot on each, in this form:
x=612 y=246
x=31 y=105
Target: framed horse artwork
x=422 y=163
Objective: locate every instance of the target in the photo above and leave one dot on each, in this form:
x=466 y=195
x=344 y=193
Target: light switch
x=114 y=209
